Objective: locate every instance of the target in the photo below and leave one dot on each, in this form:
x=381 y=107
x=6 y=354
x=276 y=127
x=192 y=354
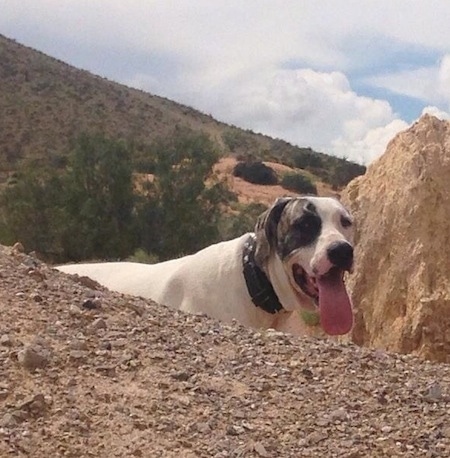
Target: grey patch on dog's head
x=266 y=229
x=285 y=228
x=298 y=227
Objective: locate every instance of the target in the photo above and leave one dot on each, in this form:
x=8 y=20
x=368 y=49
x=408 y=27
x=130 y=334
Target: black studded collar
x=259 y=287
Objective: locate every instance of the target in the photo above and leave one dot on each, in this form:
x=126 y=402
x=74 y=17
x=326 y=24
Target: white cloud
x=304 y=107
x=370 y=144
x=430 y=84
x=242 y=34
x=443 y=80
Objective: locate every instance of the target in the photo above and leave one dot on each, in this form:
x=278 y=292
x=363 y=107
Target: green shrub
x=242 y=220
x=143 y=257
x=298 y=182
x=255 y=172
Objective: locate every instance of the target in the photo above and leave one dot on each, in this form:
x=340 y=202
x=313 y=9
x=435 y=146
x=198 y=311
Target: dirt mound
x=401 y=283
x=86 y=372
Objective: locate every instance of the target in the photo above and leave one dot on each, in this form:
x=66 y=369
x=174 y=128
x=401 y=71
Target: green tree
x=31 y=211
x=298 y=182
x=241 y=220
x=255 y=172
x=181 y=211
x=344 y=171
x=99 y=200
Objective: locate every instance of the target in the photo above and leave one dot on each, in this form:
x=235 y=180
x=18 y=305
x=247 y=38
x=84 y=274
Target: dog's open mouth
x=330 y=294
x=307 y=283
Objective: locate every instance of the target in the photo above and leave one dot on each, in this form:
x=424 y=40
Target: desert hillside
x=46 y=104
x=86 y=372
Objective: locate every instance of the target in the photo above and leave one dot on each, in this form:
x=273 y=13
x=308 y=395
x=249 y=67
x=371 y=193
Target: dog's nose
x=341 y=255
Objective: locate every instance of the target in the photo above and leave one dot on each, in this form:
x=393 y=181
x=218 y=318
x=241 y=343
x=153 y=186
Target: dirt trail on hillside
x=89 y=373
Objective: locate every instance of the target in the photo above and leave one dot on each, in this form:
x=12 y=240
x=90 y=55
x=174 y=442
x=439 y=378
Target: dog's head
x=312 y=237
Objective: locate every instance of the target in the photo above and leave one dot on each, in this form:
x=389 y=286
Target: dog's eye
x=307 y=223
x=346 y=222
x=310 y=207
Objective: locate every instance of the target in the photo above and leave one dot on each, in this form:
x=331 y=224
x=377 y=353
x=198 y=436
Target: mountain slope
x=46 y=104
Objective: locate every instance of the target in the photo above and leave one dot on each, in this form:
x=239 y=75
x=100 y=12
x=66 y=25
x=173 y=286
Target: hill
x=46 y=104
x=87 y=372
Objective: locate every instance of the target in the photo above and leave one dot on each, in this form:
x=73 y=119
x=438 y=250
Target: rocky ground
x=85 y=372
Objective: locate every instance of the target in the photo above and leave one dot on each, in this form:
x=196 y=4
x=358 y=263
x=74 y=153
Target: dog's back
x=124 y=277
x=192 y=283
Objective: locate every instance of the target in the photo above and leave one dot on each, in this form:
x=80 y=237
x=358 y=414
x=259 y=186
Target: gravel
x=89 y=373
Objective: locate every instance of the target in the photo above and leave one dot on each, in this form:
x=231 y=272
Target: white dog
x=295 y=260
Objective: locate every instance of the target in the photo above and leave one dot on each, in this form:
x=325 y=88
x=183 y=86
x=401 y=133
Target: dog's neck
x=258 y=284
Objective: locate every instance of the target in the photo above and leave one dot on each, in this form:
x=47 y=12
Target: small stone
x=36 y=297
x=11 y=419
x=18 y=248
x=98 y=323
x=181 y=376
x=91 y=304
x=5 y=340
x=36 y=274
x=32 y=358
x=78 y=356
x=107 y=370
x=234 y=430
x=322 y=422
x=203 y=428
x=307 y=373
x=106 y=345
x=77 y=344
x=434 y=393
x=74 y=311
x=8 y=420
x=88 y=282
x=35 y=405
x=316 y=437
x=247 y=426
x=339 y=414
x=260 y=449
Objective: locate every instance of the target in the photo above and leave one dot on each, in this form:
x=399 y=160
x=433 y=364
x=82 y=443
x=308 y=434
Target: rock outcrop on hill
x=401 y=284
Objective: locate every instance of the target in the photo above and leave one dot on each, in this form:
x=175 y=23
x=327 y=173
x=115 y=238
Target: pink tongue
x=336 y=315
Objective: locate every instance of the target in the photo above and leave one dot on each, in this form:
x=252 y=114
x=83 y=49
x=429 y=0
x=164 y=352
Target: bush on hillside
x=304 y=158
x=180 y=213
x=344 y=171
x=255 y=172
x=92 y=210
x=241 y=220
x=298 y=182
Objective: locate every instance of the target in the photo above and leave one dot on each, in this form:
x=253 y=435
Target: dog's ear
x=266 y=229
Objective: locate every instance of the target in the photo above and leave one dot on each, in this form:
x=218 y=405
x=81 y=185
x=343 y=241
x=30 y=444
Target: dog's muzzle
x=327 y=288
x=340 y=255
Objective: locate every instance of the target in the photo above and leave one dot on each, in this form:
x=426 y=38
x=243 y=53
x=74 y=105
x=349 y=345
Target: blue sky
x=341 y=76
